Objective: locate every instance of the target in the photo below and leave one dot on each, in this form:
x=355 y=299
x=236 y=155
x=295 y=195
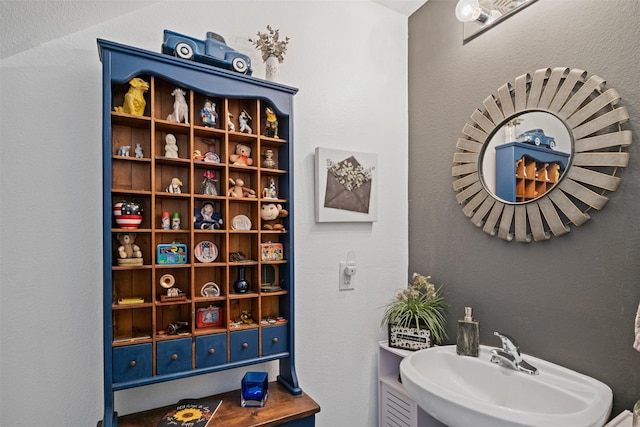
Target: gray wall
x=571 y=300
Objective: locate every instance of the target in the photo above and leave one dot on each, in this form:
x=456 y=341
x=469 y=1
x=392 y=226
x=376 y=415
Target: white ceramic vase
x=272 y=68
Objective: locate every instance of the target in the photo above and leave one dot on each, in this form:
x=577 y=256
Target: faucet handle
x=509 y=344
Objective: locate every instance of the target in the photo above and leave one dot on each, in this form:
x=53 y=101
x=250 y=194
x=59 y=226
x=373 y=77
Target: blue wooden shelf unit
x=525 y=172
x=152 y=335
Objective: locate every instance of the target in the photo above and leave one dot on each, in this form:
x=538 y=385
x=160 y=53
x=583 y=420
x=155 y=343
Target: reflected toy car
x=537 y=137
x=213 y=51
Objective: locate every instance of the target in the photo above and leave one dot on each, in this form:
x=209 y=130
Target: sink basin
x=463 y=391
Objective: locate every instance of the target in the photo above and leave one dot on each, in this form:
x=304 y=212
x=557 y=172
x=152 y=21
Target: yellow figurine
x=271 y=129
x=556 y=172
x=134 y=101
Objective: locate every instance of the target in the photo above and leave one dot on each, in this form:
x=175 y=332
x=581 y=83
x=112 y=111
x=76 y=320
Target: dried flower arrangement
x=270 y=44
x=349 y=175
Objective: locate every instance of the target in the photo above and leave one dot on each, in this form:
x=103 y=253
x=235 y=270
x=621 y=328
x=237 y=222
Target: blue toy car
x=537 y=137
x=213 y=51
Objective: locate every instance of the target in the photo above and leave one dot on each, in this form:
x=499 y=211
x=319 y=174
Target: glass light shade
x=465 y=10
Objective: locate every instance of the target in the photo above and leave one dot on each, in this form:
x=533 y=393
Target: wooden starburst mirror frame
x=594 y=121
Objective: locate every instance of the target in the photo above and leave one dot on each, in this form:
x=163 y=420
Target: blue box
x=254 y=389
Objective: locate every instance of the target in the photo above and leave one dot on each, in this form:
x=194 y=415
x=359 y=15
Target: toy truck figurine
x=537 y=137
x=213 y=51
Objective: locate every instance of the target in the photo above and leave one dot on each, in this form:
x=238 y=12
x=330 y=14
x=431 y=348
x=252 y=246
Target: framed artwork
x=346 y=186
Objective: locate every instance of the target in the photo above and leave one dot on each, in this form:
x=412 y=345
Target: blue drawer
x=211 y=350
x=274 y=340
x=173 y=356
x=243 y=345
x=132 y=362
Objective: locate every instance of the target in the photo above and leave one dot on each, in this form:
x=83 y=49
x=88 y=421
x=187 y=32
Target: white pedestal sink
x=463 y=391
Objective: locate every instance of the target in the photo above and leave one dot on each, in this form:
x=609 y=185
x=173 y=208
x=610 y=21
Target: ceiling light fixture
x=471 y=10
x=478 y=16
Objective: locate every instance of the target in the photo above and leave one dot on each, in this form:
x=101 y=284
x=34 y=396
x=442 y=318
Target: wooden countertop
x=281 y=407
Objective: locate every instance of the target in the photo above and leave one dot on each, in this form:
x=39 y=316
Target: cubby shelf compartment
x=152 y=337
x=525 y=172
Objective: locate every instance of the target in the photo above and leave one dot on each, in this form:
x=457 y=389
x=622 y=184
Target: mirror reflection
x=526 y=157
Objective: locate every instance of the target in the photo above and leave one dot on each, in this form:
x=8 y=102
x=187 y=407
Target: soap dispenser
x=468 y=335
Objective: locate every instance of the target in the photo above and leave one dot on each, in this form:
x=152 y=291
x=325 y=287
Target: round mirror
x=540 y=154
x=525 y=157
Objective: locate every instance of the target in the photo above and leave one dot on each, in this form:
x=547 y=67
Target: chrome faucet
x=509 y=356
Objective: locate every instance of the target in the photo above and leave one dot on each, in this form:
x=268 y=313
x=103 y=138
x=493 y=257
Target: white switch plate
x=345 y=282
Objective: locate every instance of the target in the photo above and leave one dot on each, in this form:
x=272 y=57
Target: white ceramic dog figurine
x=124 y=150
x=180 y=108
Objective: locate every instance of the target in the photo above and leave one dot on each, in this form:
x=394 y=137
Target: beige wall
x=571 y=300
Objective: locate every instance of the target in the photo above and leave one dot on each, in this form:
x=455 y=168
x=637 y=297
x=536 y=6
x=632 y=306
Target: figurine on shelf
x=268 y=161
x=128 y=252
x=242 y=156
x=271 y=130
x=208 y=114
x=124 y=150
x=271 y=214
x=206 y=218
x=267 y=193
x=197 y=155
x=171 y=146
x=180 y=108
x=138 y=151
x=175 y=186
x=174 y=292
x=134 y=102
x=270 y=192
x=127 y=214
x=166 y=221
x=237 y=189
x=245 y=317
x=179 y=327
x=230 y=125
x=175 y=221
x=244 y=118
x=208 y=186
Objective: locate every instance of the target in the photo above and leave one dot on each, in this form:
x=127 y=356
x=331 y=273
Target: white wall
x=349 y=60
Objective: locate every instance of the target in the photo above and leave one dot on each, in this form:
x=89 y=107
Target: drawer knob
x=132 y=363
x=174 y=357
x=275 y=340
x=245 y=345
x=212 y=350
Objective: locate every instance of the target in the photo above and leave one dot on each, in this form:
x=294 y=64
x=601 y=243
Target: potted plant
x=415 y=318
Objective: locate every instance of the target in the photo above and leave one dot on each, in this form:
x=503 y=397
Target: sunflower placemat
x=191 y=413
